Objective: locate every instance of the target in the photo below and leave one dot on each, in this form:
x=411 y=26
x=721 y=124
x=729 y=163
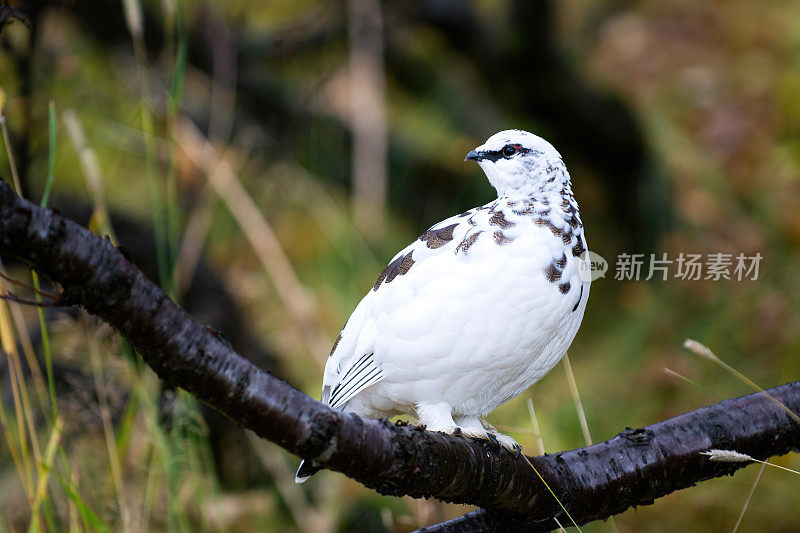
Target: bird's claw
x=505 y=442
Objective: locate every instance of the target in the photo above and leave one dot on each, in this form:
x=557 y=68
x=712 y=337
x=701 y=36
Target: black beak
x=473 y=155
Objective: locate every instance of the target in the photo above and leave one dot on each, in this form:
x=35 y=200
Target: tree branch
x=630 y=469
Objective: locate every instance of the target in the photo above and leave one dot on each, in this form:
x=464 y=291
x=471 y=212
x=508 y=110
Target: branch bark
x=633 y=468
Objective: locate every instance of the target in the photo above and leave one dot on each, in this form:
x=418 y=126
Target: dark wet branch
x=633 y=468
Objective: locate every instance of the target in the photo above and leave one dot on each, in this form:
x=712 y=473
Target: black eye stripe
x=491 y=155
x=495 y=155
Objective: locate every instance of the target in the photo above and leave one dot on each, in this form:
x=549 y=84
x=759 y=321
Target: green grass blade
x=44 y=471
x=176 y=88
x=51 y=158
x=90 y=519
x=48 y=358
x=553 y=494
x=175 y=96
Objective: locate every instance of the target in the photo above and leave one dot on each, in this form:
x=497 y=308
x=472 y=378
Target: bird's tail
x=309 y=468
x=305 y=471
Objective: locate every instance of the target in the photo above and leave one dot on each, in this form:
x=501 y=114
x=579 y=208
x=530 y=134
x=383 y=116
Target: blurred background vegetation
x=264 y=160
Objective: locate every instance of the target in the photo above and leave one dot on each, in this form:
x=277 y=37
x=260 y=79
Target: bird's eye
x=509 y=150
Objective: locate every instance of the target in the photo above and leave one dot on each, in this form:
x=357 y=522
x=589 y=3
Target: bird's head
x=518 y=162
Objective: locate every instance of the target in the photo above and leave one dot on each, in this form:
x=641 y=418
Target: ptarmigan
x=476 y=310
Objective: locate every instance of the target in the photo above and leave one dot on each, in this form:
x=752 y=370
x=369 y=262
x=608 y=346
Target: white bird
x=476 y=310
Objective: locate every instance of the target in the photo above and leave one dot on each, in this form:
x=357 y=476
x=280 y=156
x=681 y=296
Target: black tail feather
x=305 y=471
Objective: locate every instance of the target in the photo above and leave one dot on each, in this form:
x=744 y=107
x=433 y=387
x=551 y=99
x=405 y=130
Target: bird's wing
x=360 y=375
x=351 y=366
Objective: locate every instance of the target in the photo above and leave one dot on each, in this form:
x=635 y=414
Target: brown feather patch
x=398 y=267
x=546 y=223
x=552 y=272
x=335 y=344
x=499 y=219
x=436 y=238
x=500 y=238
x=468 y=241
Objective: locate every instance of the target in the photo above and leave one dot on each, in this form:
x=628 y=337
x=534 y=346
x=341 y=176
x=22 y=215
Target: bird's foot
x=438 y=417
x=476 y=432
x=500 y=439
x=480 y=429
x=505 y=441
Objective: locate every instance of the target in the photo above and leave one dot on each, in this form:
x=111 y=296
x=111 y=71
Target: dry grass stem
x=730 y=456
x=7 y=140
x=262 y=238
x=91 y=170
x=671 y=372
x=194 y=236
x=576 y=399
x=367 y=89
x=703 y=351
x=535 y=425
x=198 y=225
x=133 y=17
x=305 y=516
x=108 y=429
x=749 y=497
x=329 y=216
x=25 y=342
x=19 y=389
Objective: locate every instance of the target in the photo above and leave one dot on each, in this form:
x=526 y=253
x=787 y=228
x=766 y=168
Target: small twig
x=26 y=286
x=56 y=302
